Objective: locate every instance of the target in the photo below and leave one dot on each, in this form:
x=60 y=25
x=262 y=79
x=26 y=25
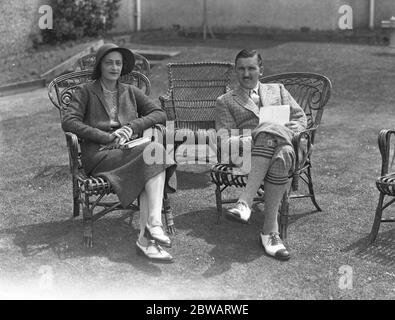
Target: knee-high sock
x=273 y=195
x=259 y=168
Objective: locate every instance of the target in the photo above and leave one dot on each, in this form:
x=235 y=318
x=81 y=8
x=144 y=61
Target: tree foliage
x=78 y=18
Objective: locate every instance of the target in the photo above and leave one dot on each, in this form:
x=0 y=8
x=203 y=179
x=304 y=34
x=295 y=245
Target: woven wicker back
x=61 y=88
x=193 y=90
x=311 y=91
x=88 y=61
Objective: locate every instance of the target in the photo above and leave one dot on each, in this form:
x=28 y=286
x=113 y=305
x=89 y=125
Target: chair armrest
x=165 y=98
x=168 y=106
x=303 y=146
x=384 y=141
x=160 y=128
x=159 y=134
x=72 y=147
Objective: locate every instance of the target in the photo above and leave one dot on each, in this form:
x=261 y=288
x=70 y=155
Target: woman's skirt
x=128 y=170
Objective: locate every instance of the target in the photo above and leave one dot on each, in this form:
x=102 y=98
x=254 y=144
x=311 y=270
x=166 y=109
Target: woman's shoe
x=153 y=251
x=157 y=234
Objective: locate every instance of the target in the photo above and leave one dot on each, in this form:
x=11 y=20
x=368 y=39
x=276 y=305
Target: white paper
x=277 y=114
x=135 y=142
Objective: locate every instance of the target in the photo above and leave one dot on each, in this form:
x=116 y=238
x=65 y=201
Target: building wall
x=19 y=21
x=282 y=14
x=126 y=19
x=19 y=18
x=385 y=9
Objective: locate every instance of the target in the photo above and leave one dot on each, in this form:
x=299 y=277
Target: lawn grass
x=212 y=261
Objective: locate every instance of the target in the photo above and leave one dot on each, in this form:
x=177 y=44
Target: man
x=272 y=154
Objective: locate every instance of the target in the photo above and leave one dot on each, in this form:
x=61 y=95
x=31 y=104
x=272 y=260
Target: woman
x=108 y=112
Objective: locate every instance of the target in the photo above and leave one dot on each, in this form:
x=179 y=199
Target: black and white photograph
x=220 y=152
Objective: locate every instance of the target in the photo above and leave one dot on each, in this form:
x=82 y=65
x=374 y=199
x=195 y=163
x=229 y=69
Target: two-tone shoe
x=153 y=252
x=241 y=212
x=274 y=246
x=157 y=234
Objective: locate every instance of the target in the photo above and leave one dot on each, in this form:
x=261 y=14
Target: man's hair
x=245 y=53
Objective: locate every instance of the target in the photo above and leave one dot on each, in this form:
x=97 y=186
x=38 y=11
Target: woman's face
x=111 y=66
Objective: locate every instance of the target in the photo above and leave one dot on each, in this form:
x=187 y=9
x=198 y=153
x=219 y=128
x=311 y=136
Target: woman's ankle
x=246 y=200
x=142 y=240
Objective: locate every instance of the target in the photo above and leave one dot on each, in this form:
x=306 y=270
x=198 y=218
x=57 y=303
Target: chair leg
x=283 y=216
x=87 y=223
x=76 y=198
x=218 y=201
x=377 y=220
x=311 y=190
x=168 y=214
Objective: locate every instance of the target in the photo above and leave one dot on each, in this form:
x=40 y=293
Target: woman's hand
x=118 y=138
x=124 y=134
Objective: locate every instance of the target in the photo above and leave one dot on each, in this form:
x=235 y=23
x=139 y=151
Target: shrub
x=78 y=18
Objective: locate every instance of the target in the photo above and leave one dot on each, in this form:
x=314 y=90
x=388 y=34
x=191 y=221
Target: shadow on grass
x=113 y=239
x=230 y=242
x=193 y=180
x=385 y=54
x=382 y=251
x=293 y=217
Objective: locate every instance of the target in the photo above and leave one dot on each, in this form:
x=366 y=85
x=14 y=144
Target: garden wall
x=19 y=18
x=19 y=22
x=281 y=14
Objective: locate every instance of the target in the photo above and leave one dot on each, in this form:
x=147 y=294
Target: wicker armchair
x=88 y=62
x=193 y=91
x=88 y=191
x=386 y=182
x=312 y=92
x=191 y=97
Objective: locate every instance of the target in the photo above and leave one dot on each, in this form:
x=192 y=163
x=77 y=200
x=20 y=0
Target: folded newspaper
x=277 y=114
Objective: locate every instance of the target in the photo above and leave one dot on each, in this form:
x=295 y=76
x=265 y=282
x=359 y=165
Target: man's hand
x=293 y=125
x=245 y=143
x=246 y=139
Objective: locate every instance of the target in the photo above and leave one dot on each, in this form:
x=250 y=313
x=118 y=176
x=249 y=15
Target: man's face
x=248 y=72
x=111 y=66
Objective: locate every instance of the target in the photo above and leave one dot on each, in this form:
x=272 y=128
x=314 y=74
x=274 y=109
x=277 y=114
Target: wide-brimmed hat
x=127 y=57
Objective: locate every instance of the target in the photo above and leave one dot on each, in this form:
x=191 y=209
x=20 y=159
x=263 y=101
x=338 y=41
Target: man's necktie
x=254 y=96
